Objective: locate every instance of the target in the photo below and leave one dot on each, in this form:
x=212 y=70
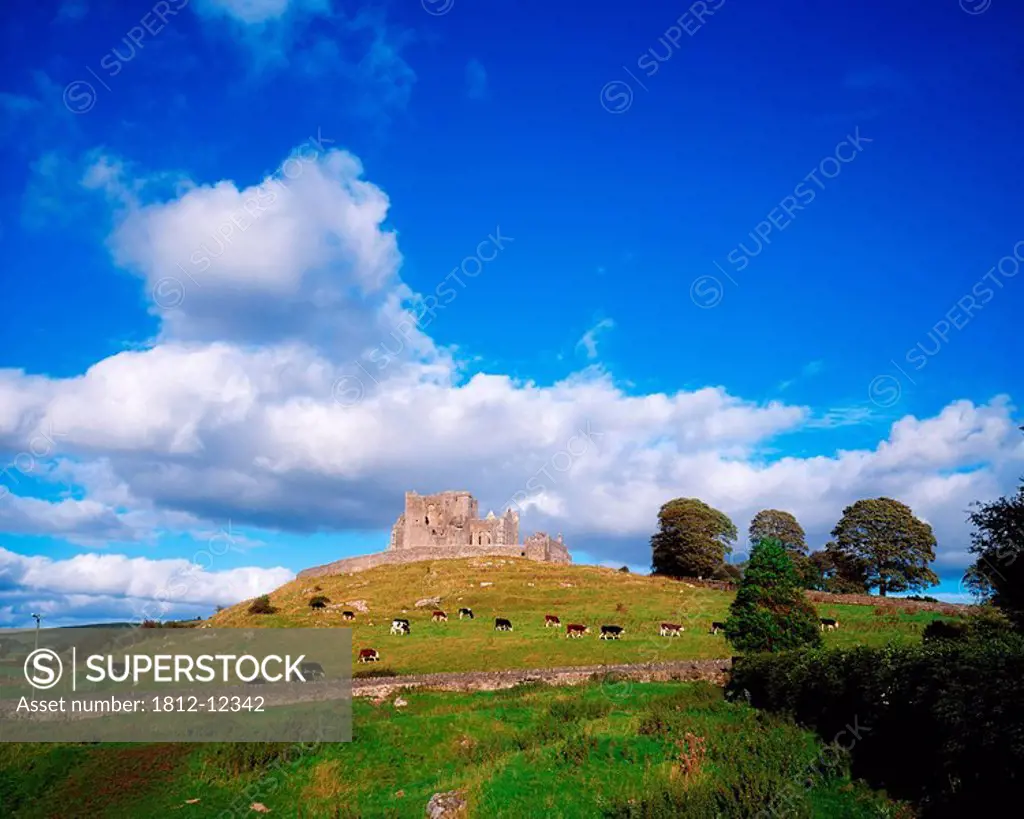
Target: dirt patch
x=91 y=790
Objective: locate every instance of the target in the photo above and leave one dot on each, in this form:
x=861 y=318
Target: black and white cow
x=467 y=613
x=717 y=627
x=829 y=623
x=400 y=626
x=611 y=632
x=501 y=624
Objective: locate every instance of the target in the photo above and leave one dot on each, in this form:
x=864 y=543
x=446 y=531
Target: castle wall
x=447 y=525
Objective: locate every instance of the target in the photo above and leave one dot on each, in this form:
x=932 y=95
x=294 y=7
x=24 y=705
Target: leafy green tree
x=692 y=539
x=830 y=570
x=770 y=612
x=882 y=538
x=728 y=572
x=781 y=526
x=998 y=541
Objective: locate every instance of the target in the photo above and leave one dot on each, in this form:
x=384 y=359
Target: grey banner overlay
x=176 y=685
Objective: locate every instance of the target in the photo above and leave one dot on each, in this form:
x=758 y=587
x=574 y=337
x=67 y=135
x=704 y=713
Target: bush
x=728 y=572
x=944 y=630
x=770 y=612
x=374 y=670
x=261 y=605
x=319 y=602
x=938 y=723
x=624 y=570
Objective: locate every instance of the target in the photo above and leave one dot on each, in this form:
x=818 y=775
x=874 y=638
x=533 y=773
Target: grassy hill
x=524 y=591
x=665 y=750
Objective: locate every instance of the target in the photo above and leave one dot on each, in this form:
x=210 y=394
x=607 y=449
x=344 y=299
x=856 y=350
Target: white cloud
x=95 y=585
x=234 y=412
x=256 y=12
x=588 y=342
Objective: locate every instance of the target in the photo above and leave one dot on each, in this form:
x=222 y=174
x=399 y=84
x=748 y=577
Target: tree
x=781 y=526
x=832 y=571
x=770 y=612
x=728 y=572
x=882 y=538
x=692 y=539
x=998 y=541
x=318 y=602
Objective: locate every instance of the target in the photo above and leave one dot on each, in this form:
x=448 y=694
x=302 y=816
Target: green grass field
x=524 y=591
x=603 y=749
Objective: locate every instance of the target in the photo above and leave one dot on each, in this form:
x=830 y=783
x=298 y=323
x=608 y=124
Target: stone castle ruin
x=448 y=525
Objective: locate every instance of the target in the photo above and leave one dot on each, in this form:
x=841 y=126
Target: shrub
x=728 y=572
x=318 y=602
x=374 y=671
x=944 y=630
x=149 y=624
x=938 y=723
x=624 y=570
x=770 y=612
x=261 y=605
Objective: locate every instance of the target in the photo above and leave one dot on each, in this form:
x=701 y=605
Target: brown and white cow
x=576 y=630
x=439 y=617
x=671 y=630
x=369 y=655
x=551 y=620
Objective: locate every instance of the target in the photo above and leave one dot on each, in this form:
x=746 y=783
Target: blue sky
x=767 y=255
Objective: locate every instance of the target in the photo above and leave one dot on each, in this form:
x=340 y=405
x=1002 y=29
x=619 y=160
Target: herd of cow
x=401 y=626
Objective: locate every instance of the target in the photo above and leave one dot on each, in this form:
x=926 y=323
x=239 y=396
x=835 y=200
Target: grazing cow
x=311 y=671
x=671 y=630
x=399 y=626
x=440 y=617
x=551 y=620
x=348 y=615
x=576 y=630
x=501 y=624
x=717 y=627
x=829 y=623
x=466 y=613
x=369 y=655
x=611 y=632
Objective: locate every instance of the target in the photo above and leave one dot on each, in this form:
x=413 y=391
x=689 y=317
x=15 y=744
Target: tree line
x=878 y=544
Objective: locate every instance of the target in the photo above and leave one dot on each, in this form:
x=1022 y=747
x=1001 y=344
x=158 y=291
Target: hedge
x=941 y=723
